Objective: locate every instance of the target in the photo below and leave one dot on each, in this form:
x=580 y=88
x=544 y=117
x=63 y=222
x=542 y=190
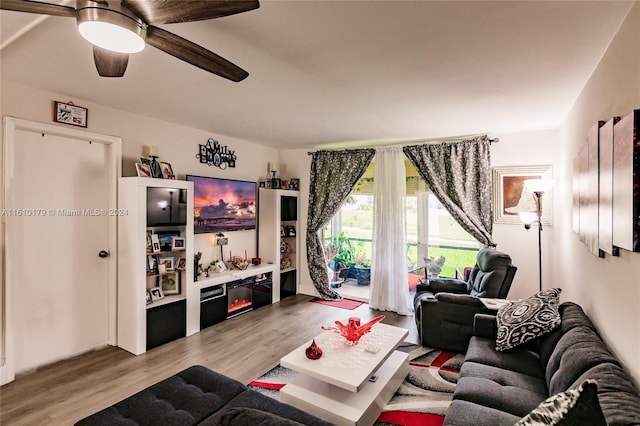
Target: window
x=431 y=230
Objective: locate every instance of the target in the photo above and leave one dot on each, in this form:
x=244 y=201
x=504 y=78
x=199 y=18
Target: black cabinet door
x=166 y=323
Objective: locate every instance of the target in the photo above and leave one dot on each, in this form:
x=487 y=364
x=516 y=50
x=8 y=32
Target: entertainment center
x=163 y=302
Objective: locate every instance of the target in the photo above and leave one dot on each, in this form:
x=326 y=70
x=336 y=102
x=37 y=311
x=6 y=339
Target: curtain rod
x=424 y=142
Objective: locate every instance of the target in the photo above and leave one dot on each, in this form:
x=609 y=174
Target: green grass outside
x=358 y=224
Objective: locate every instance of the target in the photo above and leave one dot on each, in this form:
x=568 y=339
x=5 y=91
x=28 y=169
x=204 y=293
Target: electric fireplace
x=239 y=296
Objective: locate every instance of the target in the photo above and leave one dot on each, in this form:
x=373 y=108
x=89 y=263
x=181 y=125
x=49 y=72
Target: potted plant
x=341 y=253
x=362 y=271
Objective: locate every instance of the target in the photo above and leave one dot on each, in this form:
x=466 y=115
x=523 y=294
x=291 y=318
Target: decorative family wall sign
x=214 y=154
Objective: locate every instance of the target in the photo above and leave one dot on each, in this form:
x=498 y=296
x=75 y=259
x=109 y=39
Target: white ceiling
x=327 y=72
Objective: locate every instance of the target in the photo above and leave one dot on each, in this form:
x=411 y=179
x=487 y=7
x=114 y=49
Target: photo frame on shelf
x=170 y=284
x=290 y=230
x=294 y=184
x=149 y=241
x=152 y=265
x=167 y=170
x=168 y=262
x=155 y=243
x=181 y=263
x=156 y=293
x=221 y=266
x=282 y=232
x=146 y=161
x=165 y=238
x=177 y=243
x=149 y=299
x=143 y=170
x=510 y=196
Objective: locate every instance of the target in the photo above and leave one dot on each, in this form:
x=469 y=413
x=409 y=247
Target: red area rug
x=422 y=399
x=344 y=303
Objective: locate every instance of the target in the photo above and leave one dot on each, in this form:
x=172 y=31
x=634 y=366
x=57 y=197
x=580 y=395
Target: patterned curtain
x=333 y=176
x=459 y=175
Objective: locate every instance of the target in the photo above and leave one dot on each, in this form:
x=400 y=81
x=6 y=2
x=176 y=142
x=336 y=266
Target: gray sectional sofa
x=499 y=388
x=200 y=396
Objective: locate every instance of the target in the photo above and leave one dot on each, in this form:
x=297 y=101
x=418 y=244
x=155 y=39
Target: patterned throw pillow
x=527 y=319
x=575 y=407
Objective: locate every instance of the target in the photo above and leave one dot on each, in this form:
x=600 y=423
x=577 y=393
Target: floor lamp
x=537 y=187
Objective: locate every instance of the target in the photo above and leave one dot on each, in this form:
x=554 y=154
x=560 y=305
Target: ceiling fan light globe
x=115 y=29
x=111 y=37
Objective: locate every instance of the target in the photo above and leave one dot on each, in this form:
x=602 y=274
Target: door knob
x=103 y=253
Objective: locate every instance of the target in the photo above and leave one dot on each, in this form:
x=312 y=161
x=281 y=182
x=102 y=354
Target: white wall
x=608 y=289
x=529 y=149
x=177 y=145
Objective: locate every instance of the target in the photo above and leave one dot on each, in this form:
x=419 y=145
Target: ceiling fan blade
x=171 y=11
x=192 y=53
x=108 y=63
x=31 y=6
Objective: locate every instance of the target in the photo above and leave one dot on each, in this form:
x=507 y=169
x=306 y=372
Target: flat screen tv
x=222 y=205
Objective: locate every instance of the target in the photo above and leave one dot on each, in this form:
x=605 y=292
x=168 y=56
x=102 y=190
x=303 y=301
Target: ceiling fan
x=117 y=28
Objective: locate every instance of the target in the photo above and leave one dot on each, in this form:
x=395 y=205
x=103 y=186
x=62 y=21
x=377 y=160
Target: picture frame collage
x=151 y=168
x=164 y=264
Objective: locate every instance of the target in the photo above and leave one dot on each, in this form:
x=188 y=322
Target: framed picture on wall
x=511 y=197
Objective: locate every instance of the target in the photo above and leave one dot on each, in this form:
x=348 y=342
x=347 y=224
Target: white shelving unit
x=133 y=278
x=220 y=278
x=279 y=238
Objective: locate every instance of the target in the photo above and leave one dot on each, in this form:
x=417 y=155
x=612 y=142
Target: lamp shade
x=538 y=185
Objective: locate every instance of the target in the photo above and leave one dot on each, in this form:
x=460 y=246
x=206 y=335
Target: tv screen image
x=166 y=207
x=222 y=205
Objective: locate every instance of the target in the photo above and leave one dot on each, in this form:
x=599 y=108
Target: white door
x=59 y=214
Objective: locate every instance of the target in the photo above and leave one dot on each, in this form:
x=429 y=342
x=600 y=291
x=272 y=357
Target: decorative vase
x=313 y=351
x=353 y=331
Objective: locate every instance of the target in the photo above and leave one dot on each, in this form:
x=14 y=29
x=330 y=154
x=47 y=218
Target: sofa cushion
x=619 y=399
x=573 y=407
x=578 y=350
x=504 y=377
x=527 y=319
x=465 y=413
x=251 y=416
x=487 y=392
x=256 y=400
x=572 y=316
x=447 y=285
x=184 y=399
x=522 y=360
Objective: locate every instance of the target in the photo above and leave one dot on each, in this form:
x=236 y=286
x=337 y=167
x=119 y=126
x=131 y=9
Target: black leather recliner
x=445 y=307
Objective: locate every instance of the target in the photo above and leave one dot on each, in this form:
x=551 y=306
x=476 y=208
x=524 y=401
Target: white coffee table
x=337 y=387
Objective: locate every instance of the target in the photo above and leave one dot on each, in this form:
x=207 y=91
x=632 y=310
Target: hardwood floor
x=243 y=347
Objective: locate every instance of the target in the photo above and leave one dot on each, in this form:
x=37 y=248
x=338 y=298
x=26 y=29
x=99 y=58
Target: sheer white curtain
x=389 y=285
